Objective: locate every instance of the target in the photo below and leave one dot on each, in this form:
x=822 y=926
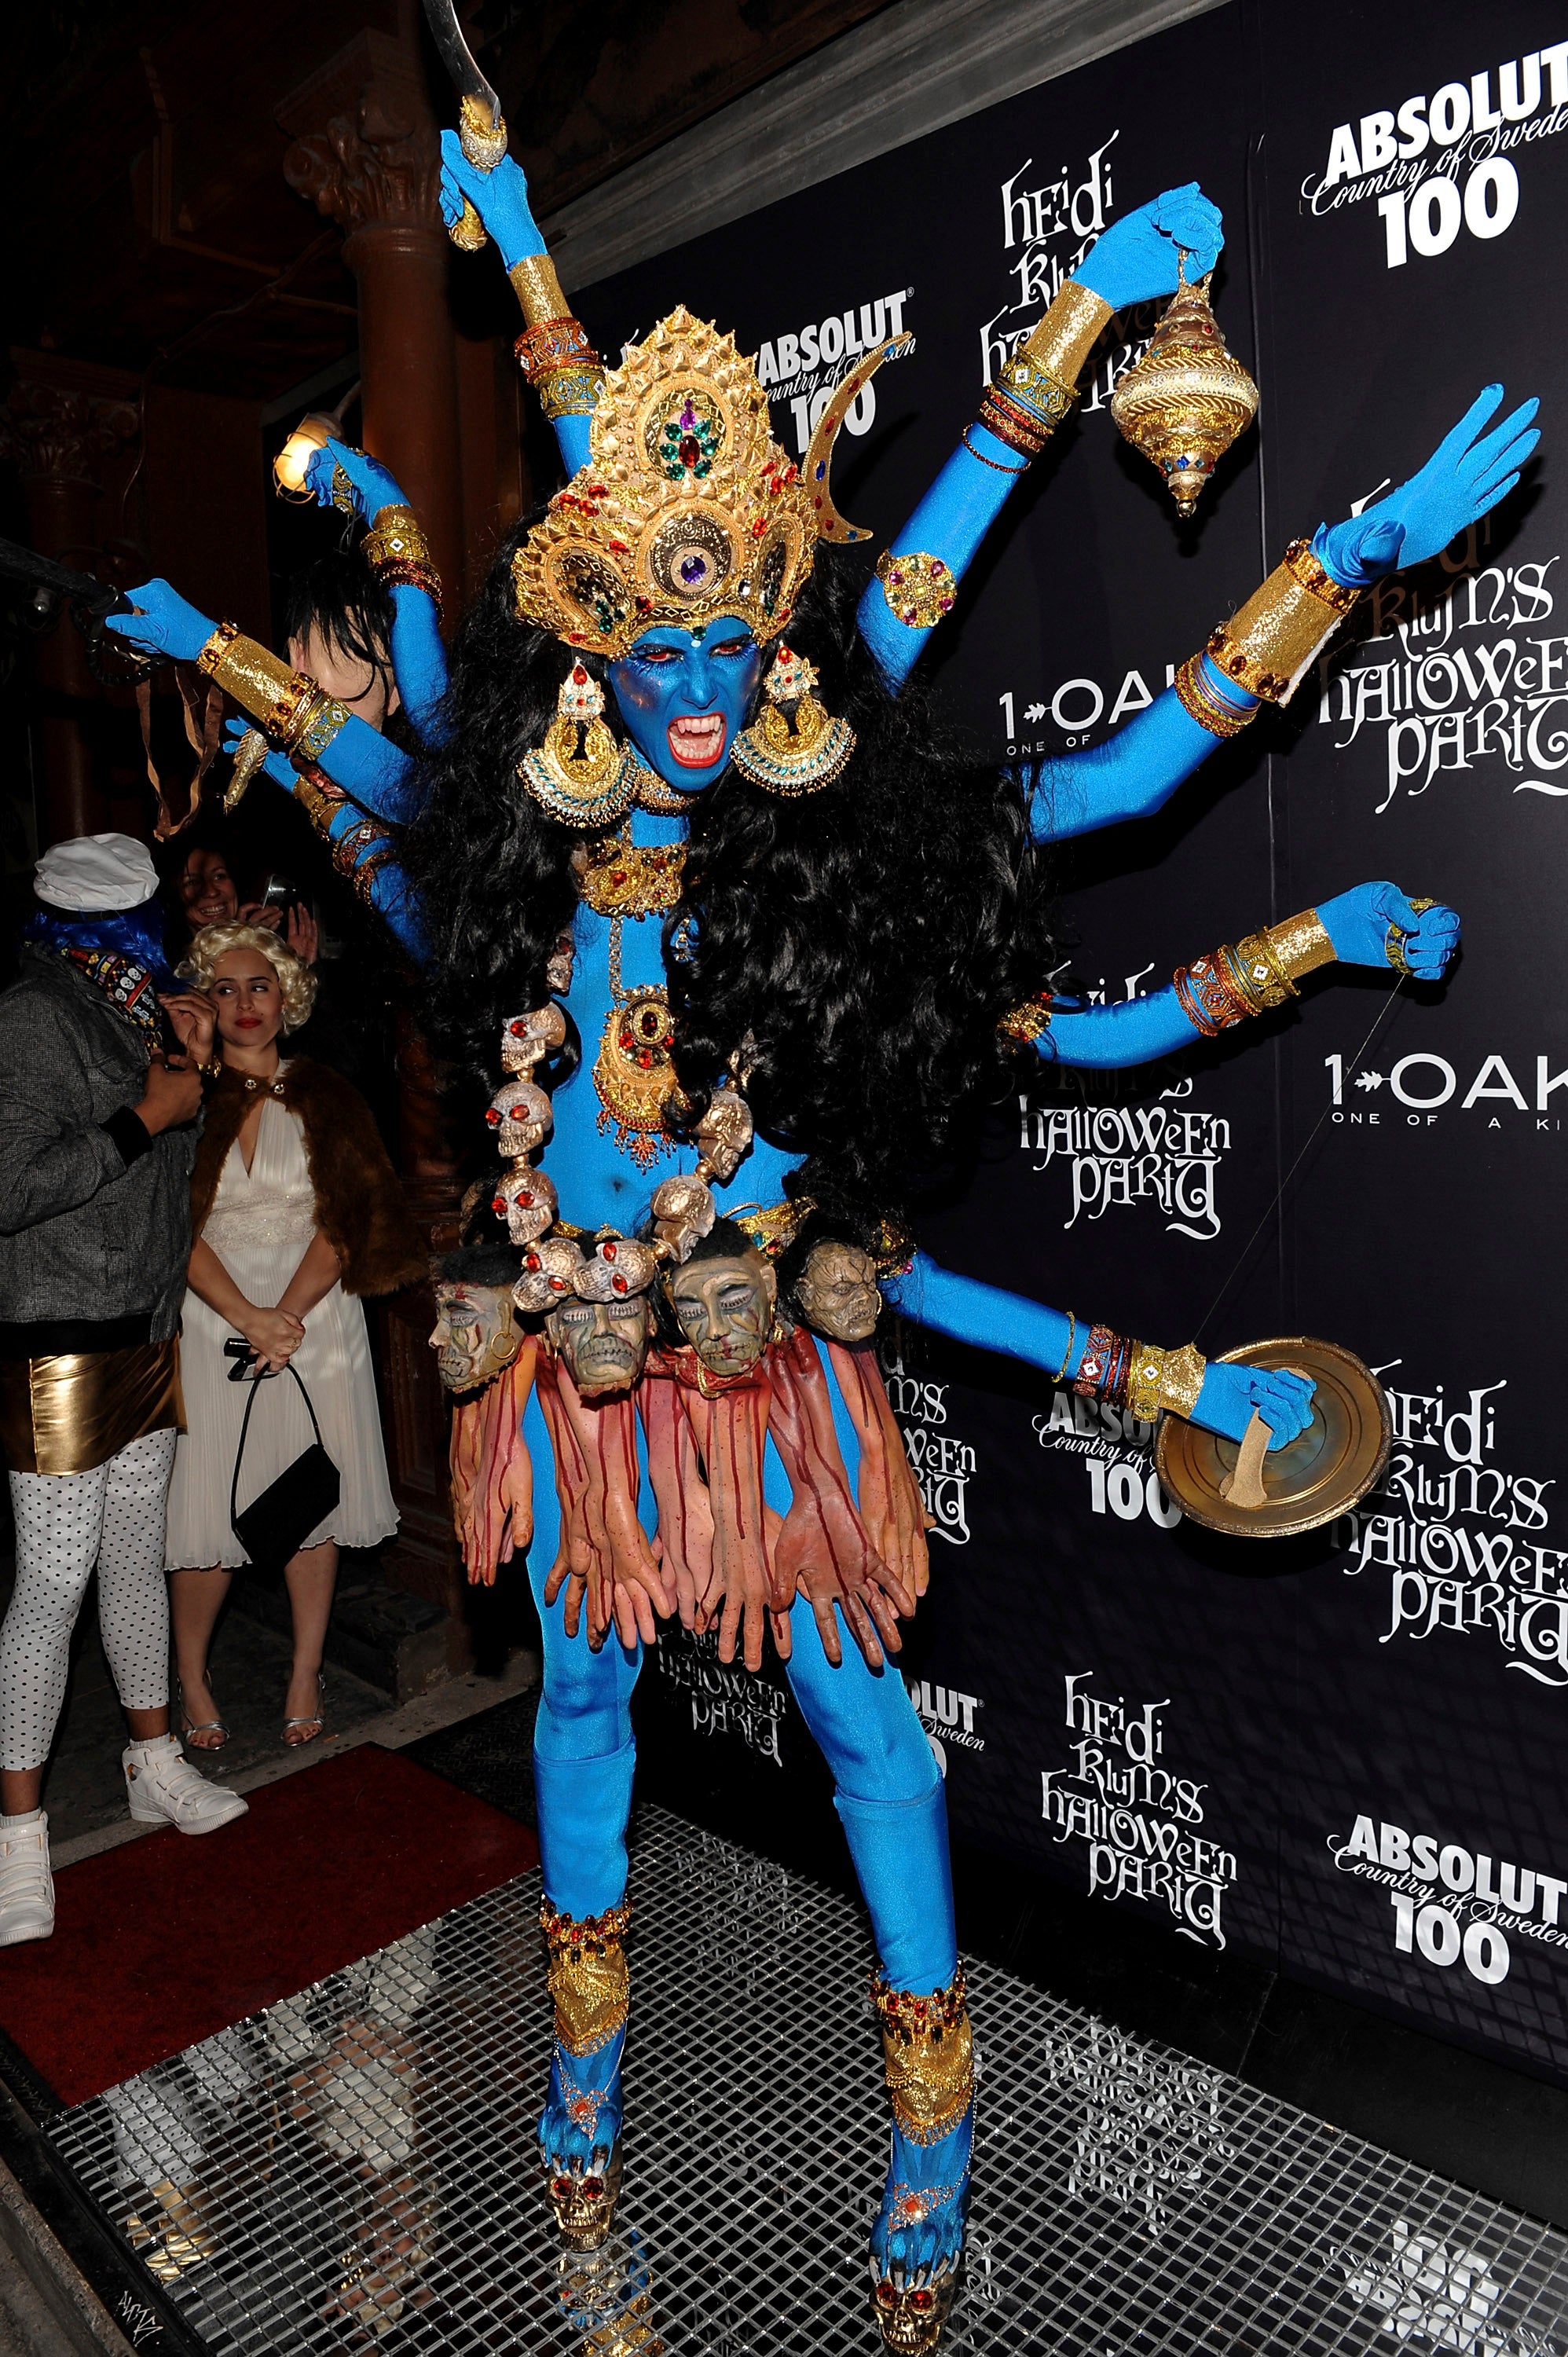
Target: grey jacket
x=88 y=1228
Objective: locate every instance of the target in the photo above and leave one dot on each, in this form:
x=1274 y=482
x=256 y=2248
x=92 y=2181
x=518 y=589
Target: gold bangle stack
x=1258 y=973
x=399 y=554
x=562 y=366
x=554 y=351
x=1032 y=393
x=929 y=2056
x=1200 y=699
x=1268 y=643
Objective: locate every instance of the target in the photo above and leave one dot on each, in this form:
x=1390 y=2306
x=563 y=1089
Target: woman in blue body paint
x=852 y=955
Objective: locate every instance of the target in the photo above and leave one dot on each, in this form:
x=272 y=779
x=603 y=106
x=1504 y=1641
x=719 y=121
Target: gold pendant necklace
x=633 y=1073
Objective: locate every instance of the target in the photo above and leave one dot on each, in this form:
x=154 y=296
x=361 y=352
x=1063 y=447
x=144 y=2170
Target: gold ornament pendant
x=1185 y=402
x=634 y=1075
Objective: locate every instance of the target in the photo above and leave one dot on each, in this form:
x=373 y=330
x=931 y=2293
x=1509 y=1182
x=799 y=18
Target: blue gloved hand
x=1465 y=477
x=1358 y=923
x=276 y=765
x=1229 y=1394
x=164 y=623
x=499 y=197
x=1136 y=258
x=372 y=486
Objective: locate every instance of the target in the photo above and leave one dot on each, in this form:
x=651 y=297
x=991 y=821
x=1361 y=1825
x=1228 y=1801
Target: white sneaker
x=165 y=1790
x=27 y=1886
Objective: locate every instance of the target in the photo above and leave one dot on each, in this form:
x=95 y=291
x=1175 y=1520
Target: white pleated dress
x=260 y=1223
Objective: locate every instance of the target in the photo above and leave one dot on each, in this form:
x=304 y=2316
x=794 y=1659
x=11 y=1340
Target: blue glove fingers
x=165 y=623
x=499 y=197
x=1492 y=445
x=276 y=766
x=1189 y=219
x=1490 y=498
x=1458 y=440
x=1487 y=487
x=1229 y=1393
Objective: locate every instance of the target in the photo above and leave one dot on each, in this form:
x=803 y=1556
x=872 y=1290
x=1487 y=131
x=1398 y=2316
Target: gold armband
x=1032 y=393
x=919 y=589
x=1027 y=1022
x=1301 y=944
x=1269 y=643
x=1167 y=1381
x=562 y=366
x=277 y=699
x=315 y=727
x=318 y=797
x=538 y=290
x=398 y=553
x=1068 y=334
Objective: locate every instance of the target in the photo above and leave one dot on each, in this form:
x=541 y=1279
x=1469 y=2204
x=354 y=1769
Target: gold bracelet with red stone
x=414 y=577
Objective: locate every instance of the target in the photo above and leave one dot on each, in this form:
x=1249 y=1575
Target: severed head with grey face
x=602 y=1344
x=475 y=1332
x=722 y=1299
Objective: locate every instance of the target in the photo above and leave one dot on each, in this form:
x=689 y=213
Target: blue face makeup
x=684 y=694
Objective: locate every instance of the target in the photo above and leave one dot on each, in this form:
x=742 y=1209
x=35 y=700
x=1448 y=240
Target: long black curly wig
x=856 y=944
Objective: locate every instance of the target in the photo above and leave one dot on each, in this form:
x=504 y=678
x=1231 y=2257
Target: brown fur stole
x=358 y=1200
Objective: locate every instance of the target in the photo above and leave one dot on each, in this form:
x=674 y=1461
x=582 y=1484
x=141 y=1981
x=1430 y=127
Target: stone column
x=59 y=430
x=367 y=156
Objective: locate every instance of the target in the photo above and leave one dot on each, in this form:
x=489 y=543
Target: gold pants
x=69 y=1413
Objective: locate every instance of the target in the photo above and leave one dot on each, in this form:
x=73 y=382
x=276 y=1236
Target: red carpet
x=173 y=1937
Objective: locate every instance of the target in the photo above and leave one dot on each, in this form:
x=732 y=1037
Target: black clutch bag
x=275 y=1526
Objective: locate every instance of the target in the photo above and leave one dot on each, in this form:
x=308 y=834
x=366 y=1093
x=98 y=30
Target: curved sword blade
x=449 y=37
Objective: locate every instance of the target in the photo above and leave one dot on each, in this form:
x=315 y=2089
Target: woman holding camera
x=295 y=1213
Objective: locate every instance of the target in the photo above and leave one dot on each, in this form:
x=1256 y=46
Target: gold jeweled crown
x=687 y=507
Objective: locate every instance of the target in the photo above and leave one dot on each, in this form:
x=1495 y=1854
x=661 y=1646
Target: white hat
x=94 y=873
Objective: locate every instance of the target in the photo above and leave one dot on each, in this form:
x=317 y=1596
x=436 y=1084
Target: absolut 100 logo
x=1452 y=1905
x=1441 y=163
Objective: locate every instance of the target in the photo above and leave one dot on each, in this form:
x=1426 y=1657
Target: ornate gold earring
x=794 y=746
x=580 y=775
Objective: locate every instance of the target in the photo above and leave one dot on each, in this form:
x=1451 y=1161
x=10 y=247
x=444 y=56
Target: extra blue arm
x=418 y=657
x=362 y=855
x=983 y=1315
x=500 y=199
x=1110 y=1039
x=1131 y=774
x=1133 y=260
x=1360 y=925
x=375 y=771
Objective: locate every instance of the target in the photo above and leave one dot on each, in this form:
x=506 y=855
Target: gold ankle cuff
x=587 y=1977
x=929 y=2057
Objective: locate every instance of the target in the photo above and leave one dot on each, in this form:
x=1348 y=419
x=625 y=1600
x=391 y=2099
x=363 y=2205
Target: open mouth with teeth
x=696 y=739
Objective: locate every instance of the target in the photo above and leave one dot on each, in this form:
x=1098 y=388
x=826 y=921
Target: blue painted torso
x=598 y=1181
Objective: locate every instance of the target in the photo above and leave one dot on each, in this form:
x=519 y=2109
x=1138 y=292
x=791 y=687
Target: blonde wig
x=296 y=984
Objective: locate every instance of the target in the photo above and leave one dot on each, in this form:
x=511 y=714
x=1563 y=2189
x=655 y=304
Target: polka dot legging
x=66 y=1523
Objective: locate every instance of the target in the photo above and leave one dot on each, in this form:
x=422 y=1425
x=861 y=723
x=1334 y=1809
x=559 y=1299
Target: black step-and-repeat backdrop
x=1348 y=1753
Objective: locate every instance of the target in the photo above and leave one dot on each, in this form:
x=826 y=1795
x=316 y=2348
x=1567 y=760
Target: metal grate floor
x=354 y=2170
